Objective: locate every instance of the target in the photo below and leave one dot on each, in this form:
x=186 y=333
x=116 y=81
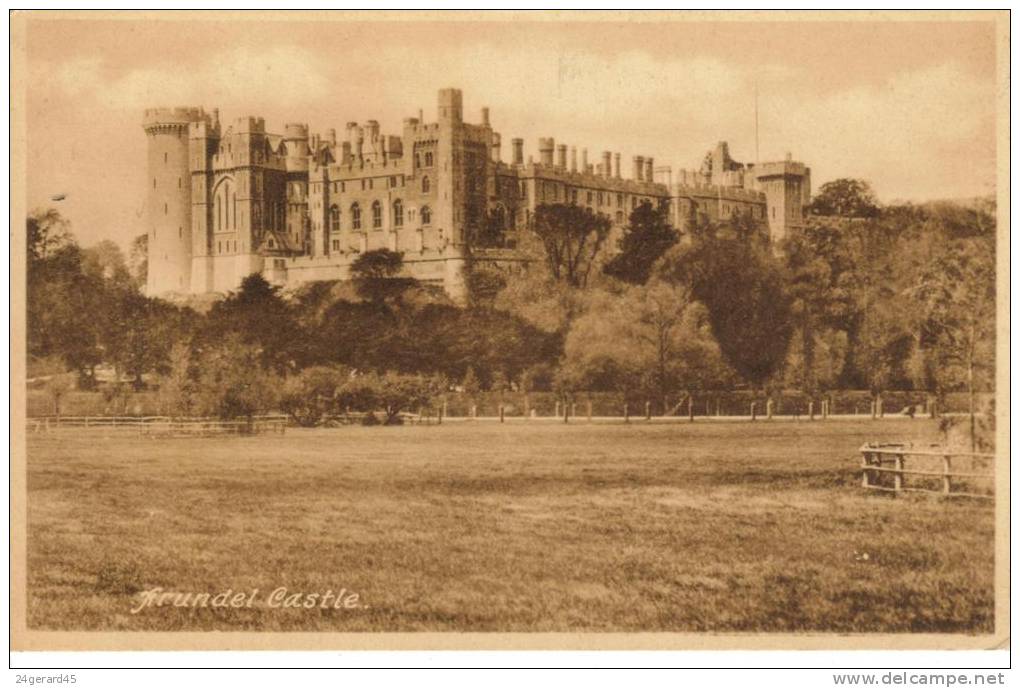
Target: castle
x=227 y=202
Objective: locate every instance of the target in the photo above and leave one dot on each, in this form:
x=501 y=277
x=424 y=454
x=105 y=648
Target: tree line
x=865 y=297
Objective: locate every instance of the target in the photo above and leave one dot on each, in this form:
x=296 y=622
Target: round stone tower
x=168 y=203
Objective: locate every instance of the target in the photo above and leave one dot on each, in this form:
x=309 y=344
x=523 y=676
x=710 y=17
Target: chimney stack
x=639 y=167
x=561 y=156
x=616 y=165
x=607 y=164
x=546 y=146
x=584 y=160
x=518 y=147
x=573 y=158
x=485 y=116
x=649 y=169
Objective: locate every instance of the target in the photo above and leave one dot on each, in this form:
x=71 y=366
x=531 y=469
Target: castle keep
x=298 y=207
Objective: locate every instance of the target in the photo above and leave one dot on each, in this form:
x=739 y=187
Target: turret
x=518 y=147
x=168 y=202
x=451 y=105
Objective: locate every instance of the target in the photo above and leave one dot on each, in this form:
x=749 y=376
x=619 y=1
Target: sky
x=908 y=106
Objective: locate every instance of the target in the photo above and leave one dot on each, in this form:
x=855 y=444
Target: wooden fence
x=163 y=426
x=930 y=469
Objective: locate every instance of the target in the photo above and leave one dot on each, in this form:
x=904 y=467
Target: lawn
x=488 y=527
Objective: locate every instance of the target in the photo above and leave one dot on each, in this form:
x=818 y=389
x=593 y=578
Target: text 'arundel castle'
x=227 y=202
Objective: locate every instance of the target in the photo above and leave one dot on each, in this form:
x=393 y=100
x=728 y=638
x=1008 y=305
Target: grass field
x=488 y=527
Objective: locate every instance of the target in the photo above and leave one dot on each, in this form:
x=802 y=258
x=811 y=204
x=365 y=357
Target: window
x=590 y=196
x=410 y=215
x=376 y=215
x=355 y=216
x=426 y=215
x=417 y=160
x=398 y=213
x=619 y=200
x=425 y=185
x=393 y=182
x=334 y=218
x=773 y=212
x=336 y=244
x=428 y=159
x=619 y=217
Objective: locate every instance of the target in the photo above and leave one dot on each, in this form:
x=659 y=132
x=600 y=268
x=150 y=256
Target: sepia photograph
x=546 y=330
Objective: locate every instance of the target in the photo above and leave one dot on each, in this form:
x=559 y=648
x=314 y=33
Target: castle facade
x=227 y=202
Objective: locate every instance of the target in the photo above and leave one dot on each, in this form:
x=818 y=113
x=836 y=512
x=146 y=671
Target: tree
x=311 y=394
x=138 y=260
x=258 y=316
x=846 y=198
x=648 y=235
x=744 y=290
x=957 y=295
x=391 y=393
x=231 y=382
x=48 y=233
x=376 y=275
x=105 y=261
x=651 y=339
x=178 y=388
x=572 y=237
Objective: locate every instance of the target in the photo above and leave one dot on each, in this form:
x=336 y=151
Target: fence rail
x=163 y=426
x=931 y=470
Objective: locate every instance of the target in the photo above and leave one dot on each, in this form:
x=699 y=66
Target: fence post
x=825 y=409
x=86 y=421
x=648 y=410
x=811 y=410
x=446 y=409
x=501 y=413
x=474 y=411
x=947 y=484
x=898 y=475
x=626 y=413
x=934 y=408
x=864 y=468
x=589 y=410
x=566 y=412
x=874 y=410
x=557 y=409
x=718 y=408
x=878 y=405
x=690 y=408
x=768 y=409
x=754 y=414
x=439 y=418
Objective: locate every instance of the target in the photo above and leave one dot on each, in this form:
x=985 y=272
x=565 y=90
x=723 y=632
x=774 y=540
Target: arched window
x=376 y=215
x=428 y=159
x=355 y=216
x=398 y=213
x=426 y=215
x=226 y=200
x=425 y=185
x=334 y=218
